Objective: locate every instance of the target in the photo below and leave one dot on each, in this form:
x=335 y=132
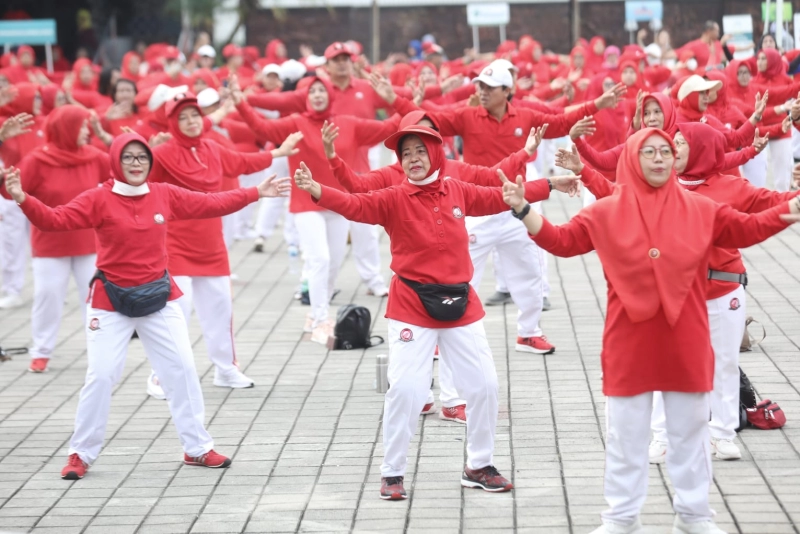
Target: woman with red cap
x=656 y=335
x=133 y=291
x=323 y=234
x=198 y=257
x=430 y=303
x=56 y=173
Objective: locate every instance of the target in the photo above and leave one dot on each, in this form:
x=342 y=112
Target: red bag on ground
x=766 y=415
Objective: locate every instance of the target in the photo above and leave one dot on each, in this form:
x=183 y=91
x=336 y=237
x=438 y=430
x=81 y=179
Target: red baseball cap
x=336 y=49
x=393 y=140
x=171 y=52
x=179 y=100
x=231 y=50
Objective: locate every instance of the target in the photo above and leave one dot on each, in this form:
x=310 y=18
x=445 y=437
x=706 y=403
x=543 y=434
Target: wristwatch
x=550 y=184
x=521 y=215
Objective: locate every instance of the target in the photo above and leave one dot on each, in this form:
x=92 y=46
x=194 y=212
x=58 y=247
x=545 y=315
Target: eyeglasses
x=650 y=152
x=128 y=159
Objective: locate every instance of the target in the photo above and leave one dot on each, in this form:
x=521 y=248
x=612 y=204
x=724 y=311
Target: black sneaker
x=498 y=299
x=392 y=489
x=545 y=304
x=486 y=478
x=305 y=300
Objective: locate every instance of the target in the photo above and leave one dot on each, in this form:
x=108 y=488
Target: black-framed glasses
x=128 y=159
x=649 y=152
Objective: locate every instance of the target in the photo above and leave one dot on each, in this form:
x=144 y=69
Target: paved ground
x=306 y=442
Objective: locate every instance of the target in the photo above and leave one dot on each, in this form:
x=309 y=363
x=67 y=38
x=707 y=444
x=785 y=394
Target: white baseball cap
x=272 y=68
x=206 y=51
x=504 y=64
x=315 y=61
x=495 y=77
x=653 y=50
x=207 y=97
x=697 y=84
x=292 y=70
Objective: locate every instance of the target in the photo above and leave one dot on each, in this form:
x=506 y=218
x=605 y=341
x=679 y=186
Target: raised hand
x=796 y=175
x=761 y=104
x=159 y=139
x=451 y=83
x=16 y=125
x=7 y=94
x=760 y=143
x=535 y=139
x=571 y=185
x=585 y=126
x=786 y=124
x=513 y=193
x=271 y=187
x=305 y=182
x=329 y=134
x=382 y=86
x=637 y=117
x=118 y=110
x=795 y=111
x=569 y=159
x=13 y=184
x=287 y=148
x=611 y=98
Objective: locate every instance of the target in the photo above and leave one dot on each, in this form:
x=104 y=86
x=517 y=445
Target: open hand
x=585 y=126
x=611 y=98
x=571 y=185
x=287 y=148
x=569 y=159
x=13 y=184
x=760 y=143
x=329 y=134
x=159 y=139
x=382 y=86
x=271 y=187
x=535 y=139
x=513 y=193
x=305 y=182
x=16 y=125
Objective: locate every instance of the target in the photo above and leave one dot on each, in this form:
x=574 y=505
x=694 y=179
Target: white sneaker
x=10 y=301
x=308 y=327
x=657 y=452
x=233 y=379
x=258 y=244
x=378 y=290
x=703 y=527
x=323 y=332
x=609 y=527
x=725 y=449
x=154 y=388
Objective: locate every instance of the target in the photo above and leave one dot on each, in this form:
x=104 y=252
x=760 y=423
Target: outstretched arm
x=186 y=204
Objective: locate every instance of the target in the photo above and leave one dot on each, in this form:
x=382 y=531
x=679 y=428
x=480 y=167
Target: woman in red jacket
x=656 y=335
x=130 y=218
x=198 y=257
x=430 y=301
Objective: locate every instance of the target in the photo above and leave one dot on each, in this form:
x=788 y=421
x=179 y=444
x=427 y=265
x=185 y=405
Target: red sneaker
x=428 y=409
x=392 y=489
x=536 y=345
x=75 y=468
x=210 y=459
x=456 y=414
x=39 y=365
x=486 y=478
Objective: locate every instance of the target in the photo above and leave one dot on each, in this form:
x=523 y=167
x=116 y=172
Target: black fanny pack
x=137 y=301
x=443 y=302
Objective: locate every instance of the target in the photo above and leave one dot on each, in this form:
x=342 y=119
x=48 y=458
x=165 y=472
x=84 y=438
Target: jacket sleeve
x=559 y=123
x=754 y=199
x=743 y=136
x=450 y=122
x=369 y=208
x=487 y=176
x=489 y=200
x=734 y=229
x=565 y=240
x=285 y=103
x=357 y=183
x=272 y=130
x=369 y=132
x=606 y=160
x=77 y=214
x=236 y=163
x=185 y=204
x=739 y=157
x=596 y=183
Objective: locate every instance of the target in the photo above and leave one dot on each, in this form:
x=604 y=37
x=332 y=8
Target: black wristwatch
x=521 y=215
x=550 y=184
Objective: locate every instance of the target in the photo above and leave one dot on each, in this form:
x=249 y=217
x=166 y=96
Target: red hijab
x=62 y=129
x=609 y=122
x=667 y=109
x=639 y=222
x=740 y=95
x=421 y=65
x=400 y=74
x=595 y=61
x=23 y=102
x=207 y=76
x=430 y=138
x=125 y=69
x=776 y=70
x=706 y=150
x=76 y=70
x=326 y=113
x=115 y=153
x=639 y=84
x=271 y=53
x=49 y=93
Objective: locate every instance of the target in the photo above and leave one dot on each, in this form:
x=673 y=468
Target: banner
x=741 y=28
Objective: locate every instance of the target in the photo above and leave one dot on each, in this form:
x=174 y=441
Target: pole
x=476 y=41
x=376 y=32
x=502 y=34
x=779 y=24
x=766 y=21
x=576 y=21
x=48 y=51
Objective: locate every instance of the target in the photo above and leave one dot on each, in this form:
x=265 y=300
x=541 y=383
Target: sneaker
x=333 y=295
x=308 y=326
x=725 y=449
x=545 y=304
x=258 y=245
x=456 y=414
x=657 y=452
x=305 y=300
x=39 y=365
x=323 y=333
x=10 y=301
x=535 y=345
x=210 y=459
x=428 y=409
x=610 y=527
x=487 y=478
x=703 y=527
x=392 y=489
x=75 y=468
x=233 y=379
x=378 y=290
x=154 y=388
x=498 y=298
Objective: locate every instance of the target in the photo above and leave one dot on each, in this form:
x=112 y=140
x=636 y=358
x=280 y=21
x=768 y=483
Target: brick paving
x=306 y=442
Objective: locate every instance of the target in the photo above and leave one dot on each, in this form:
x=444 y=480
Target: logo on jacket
x=457 y=213
x=449 y=301
x=518 y=132
x=94 y=324
x=406 y=335
x=158 y=218
x=473 y=239
x=360 y=95
x=734 y=304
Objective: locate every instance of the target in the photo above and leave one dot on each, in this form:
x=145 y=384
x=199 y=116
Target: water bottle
x=382 y=373
x=294 y=259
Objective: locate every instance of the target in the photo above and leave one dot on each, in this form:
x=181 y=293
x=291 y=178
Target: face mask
x=669 y=63
x=691 y=64
x=172 y=68
x=651 y=60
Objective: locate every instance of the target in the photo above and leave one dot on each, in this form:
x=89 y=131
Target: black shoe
x=135 y=335
x=498 y=299
x=305 y=300
x=545 y=304
x=335 y=292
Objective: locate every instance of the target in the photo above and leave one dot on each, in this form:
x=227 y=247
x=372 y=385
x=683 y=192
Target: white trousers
x=545 y=279
x=781 y=162
x=50 y=282
x=166 y=343
x=448 y=395
x=726 y=322
x=244 y=217
x=212 y=300
x=409 y=374
x=15 y=246
x=366 y=253
x=323 y=239
x=270 y=210
x=755 y=170
x=795 y=143
x=688 y=457
x=520 y=261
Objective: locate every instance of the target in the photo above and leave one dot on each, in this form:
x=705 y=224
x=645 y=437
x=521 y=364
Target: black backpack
x=747 y=399
x=352 y=330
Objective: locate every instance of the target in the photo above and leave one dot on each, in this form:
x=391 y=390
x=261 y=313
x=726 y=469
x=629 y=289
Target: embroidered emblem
x=735 y=304
x=488 y=72
x=518 y=132
x=449 y=301
x=457 y=213
x=654 y=253
x=94 y=324
x=473 y=239
x=158 y=218
x=406 y=335
x=360 y=95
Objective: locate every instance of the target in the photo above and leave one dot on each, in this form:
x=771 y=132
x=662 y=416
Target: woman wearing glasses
x=655 y=242
x=130 y=218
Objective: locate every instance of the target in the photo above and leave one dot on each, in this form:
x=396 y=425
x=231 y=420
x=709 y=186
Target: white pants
x=409 y=374
x=795 y=143
x=15 y=246
x=367 y=254
x=545 y=279
x=323 y=239
x=727 y=329
x=781 y=162
x=688 y=457
x=212 y=300
x=520 y=261
x=755 y=170
x=448 y=395
x=244 y=217
x=166 y=343
x=50 y=282
x=270 y=210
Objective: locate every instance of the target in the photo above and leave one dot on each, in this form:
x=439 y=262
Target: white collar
x=429 y=180
x=690 y=182
x=127 y=190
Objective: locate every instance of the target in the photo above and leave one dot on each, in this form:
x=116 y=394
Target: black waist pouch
x=137 y=301
x=443 y=302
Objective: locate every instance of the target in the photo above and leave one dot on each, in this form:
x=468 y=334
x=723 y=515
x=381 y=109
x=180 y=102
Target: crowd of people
x=136 y=180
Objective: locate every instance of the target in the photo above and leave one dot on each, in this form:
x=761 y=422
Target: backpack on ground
x=747 y=399
x=747 y=340
x=352 y=330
